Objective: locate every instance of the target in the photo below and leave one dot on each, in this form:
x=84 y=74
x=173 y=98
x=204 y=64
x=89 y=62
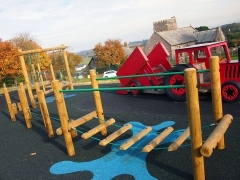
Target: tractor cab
x=200 y=53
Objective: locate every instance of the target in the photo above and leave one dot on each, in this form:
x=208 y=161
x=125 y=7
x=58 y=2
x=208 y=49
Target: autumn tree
x=25 y=41
x=111 y=53
x=9 y=62
x=58 y=63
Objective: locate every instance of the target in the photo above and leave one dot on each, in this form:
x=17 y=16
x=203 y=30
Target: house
x=166 y=31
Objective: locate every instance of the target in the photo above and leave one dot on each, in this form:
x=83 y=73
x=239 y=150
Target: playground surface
x=30 y=154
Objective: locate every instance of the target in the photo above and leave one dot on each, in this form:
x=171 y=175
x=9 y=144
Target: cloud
x=81 y=24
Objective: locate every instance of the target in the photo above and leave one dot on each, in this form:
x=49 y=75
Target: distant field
x=85 y=61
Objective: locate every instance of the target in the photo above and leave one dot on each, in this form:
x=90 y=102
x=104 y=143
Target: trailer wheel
x=177 y=94
x=230 y=91
x=135 y=84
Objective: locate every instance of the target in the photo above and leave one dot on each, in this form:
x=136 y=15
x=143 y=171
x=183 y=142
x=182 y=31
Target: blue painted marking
x=131 y=161
x=52 y=98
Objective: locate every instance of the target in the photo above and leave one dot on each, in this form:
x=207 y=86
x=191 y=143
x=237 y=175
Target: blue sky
x=81 y=24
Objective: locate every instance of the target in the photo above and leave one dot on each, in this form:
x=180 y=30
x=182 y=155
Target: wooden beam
x=175 y=145
x=136 y=138
x=211 y=142
x=78 y=122
x=98 y=128
x=114 y=135
x=157 y=140
x=42 y=50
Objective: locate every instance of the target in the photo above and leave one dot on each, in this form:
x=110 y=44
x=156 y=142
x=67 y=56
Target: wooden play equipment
x=69 y=128
x=25 y=74
x=196 y=56
x=194 y=130
x=23 y=105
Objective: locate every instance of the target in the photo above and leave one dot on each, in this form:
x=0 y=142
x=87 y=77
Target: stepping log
x=114 y=135
x=136 y=138
x=157 y=140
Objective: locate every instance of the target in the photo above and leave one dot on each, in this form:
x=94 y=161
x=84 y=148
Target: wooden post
x=62 y=111
x=211 y=142
x=24 y=104
x=37 y=86
x=34 y=73
x=216 y=94
x=45 y=113
x=26 y=78
x=98 y=101
x=52 y=71
x=41 y=78
x=194 y=122
x=67 y=67
x=9 y=103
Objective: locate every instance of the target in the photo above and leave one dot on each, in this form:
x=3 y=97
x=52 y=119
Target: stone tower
x=165 y=25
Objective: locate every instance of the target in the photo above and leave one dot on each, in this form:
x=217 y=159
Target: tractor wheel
x=230 y=91
x=177 y=94
x=135 y=84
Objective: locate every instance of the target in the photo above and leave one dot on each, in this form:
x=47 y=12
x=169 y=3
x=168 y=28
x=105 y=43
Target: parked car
x=80 y=67
x=110 y=73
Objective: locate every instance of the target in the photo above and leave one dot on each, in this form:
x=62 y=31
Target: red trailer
x=196 y=56
x=138 y=63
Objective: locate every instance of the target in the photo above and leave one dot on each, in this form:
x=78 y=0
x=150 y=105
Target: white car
x=110 y=73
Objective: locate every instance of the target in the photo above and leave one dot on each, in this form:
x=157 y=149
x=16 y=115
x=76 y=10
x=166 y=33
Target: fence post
x=194 y=122
x=216 y=94
x=62 y=111
x=97 y=99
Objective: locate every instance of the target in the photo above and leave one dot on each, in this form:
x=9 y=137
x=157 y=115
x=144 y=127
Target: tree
x=25 y=41
x=202 y=28
x=9 y=62
x=111 y=53
x=58 y=63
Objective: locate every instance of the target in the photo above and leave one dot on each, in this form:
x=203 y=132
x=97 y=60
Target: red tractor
x=195 y=56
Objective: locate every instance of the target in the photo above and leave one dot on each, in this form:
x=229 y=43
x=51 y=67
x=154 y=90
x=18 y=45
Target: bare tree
x=25 y=41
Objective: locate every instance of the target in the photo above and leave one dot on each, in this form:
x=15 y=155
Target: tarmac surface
x=30 y=154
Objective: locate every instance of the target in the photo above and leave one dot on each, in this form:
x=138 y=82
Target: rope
x=132 y=147
x=116 y=144
x=51 y=117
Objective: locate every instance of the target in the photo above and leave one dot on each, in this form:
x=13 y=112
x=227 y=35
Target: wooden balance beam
x=211 y=142
x=178 y=142
x=157 y=140
x=114 y=135
x=136 y=138
x=78 y=122
x=98 y=128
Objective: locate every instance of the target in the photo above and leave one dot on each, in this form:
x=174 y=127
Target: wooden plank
x=98 y=128
x=78 y=122
x=157 y=140
x=41 y=50
x=114 y=135
x=136 y=138
x=217 y=134
x=175 y=145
